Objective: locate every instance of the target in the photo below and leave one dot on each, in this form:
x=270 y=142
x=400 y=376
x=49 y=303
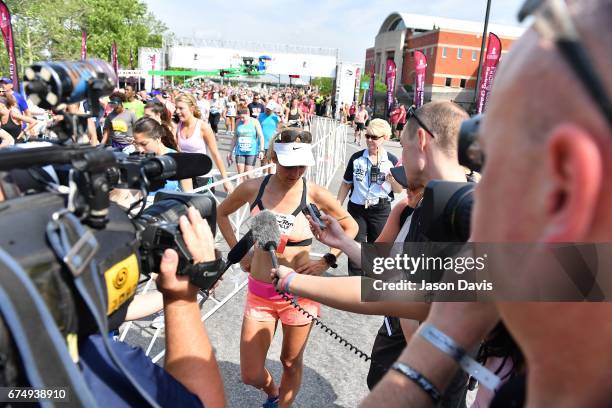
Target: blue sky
x=349 y=25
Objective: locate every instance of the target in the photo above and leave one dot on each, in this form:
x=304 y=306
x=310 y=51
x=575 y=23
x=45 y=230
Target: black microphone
x=267 y=234
x=239 y=250
x=178 y=166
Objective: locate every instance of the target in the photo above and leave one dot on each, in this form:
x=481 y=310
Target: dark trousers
x=371 y=222
x=213 y=119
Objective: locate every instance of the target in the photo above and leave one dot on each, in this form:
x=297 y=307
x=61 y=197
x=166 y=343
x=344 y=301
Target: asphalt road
x=333 y=375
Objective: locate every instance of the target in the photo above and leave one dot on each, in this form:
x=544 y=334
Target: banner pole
x=482 y=48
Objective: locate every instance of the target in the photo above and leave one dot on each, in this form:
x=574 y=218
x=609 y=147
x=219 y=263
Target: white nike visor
x=294 y=154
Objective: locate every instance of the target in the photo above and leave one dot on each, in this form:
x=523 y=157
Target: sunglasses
x=294 y=136
x=553 y=21
x=373 y=137
x=412 y=114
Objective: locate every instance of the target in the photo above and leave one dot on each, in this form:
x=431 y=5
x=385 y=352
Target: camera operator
x=429 y=152
x=191 y=376
x=560 y=138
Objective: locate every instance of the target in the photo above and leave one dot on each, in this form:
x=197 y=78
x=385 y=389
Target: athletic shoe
x=271 y=402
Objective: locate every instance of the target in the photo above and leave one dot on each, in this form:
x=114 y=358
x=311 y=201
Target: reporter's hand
x=333 y=235
x=314 y=267
x=278 y=276
x=174 y=287
x=197 y=236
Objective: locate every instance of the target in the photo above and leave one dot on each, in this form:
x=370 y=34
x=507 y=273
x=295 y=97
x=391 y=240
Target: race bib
x=245 y=144
x=285 y=224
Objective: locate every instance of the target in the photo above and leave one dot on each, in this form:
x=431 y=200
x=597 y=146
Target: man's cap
x=115 y=101
x=272 y=106
x=6 y=80
x=294 y=154
x=399 y=175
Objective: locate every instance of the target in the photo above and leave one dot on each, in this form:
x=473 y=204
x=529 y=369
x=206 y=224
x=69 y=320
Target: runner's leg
x=292 y=353
x=255 y=341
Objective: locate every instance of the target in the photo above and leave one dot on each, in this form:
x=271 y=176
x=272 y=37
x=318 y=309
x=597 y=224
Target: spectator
x=132 y=103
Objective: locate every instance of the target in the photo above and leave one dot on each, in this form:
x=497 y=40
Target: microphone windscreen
x=241 y=248
x=265 y=229
x=189 y=165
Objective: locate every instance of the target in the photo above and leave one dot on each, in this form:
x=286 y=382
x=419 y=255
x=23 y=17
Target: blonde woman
x=196 y=136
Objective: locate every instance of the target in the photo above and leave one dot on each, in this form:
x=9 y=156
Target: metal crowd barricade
x=329 y=149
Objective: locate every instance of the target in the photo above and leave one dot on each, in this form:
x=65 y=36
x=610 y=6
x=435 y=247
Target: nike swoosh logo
x=296 y=148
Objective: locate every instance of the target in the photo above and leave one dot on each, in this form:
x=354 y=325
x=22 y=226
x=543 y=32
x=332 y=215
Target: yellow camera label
x=121 y=282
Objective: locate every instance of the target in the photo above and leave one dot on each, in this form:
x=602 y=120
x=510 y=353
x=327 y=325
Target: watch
x=330 y=259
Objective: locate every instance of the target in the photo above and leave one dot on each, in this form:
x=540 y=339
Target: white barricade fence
x=329 y=149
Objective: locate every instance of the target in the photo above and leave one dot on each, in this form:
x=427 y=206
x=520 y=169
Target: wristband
x=448 y=346
x=418 y=378
x=283 y=284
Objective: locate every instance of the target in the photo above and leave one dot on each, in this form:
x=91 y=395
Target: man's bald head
x=549 y=152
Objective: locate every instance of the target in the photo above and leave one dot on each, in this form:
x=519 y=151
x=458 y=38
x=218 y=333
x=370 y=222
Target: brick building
x=452 y=48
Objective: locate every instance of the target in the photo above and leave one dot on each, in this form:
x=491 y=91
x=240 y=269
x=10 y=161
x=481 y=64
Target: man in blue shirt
x=269 y=125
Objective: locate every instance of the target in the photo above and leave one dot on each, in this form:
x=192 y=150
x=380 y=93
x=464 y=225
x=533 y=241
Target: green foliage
x=325 y=85
x=378 y=85
x=51 y=29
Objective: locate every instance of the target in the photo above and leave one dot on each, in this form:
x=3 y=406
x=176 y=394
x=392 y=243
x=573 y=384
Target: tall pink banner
x=494 y=49
x=83 y=45
x=370 y=101
x=420 y=68
x=390 y=82
x=7 y=33
x=114 y=60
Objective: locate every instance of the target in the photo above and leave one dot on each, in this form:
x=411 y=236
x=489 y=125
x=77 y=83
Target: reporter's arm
x=466 y=323
x=344 y=293
x=145 y=304
x=189 y=354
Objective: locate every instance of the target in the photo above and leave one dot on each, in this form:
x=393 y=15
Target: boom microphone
x=178 y=166
x=189 y=165
x=239 y=250
x=267 y=233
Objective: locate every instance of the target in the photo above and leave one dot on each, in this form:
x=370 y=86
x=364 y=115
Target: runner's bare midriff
x=292 y=257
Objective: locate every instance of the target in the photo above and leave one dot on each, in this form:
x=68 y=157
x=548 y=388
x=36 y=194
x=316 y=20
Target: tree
x=51 y=29
x=325 y=85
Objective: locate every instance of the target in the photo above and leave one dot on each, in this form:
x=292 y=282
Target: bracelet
x=289 y=279
x=284 y=282
x=448 y=346
x=418 y=378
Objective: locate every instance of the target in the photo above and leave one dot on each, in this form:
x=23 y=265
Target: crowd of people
x=548 y=151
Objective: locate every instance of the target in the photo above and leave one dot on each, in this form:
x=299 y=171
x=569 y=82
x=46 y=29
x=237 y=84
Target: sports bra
x=193 y=144
x=11 y=127
x=295 y=116
x=300 y=234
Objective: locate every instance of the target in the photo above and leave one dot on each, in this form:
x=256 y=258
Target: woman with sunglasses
x=368 y=177
x=286 y=193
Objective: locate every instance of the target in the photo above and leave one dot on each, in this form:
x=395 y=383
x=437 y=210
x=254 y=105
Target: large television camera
x=69 y=238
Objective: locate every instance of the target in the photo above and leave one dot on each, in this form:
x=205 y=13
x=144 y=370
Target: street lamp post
x=482 y=49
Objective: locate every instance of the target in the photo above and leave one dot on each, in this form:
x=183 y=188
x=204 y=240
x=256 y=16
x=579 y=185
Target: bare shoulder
x=248 y=189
